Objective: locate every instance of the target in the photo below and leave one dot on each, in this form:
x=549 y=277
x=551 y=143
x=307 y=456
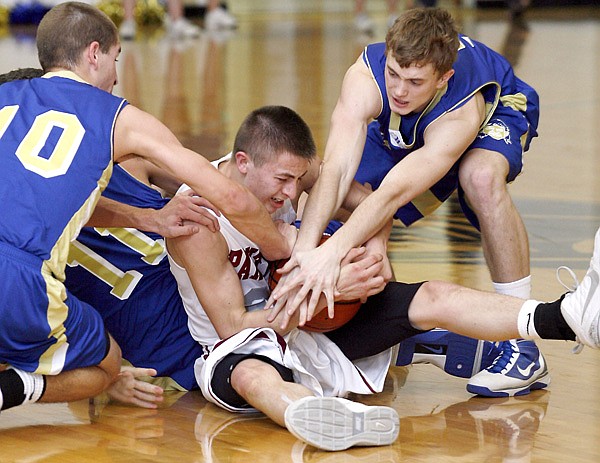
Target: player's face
x=411 y=89
x=107 y=68
x=276 y=180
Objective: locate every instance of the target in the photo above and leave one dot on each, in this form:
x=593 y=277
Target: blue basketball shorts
x=507 y=133
x=43 y=329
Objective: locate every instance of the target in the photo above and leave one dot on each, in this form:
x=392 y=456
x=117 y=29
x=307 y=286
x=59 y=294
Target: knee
x=246 y=378
x=429 y=308
x=483 y=181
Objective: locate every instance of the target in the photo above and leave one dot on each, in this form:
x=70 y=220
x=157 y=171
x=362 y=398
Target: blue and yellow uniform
x=510 y=124
x=125 y=273
x=56 y=151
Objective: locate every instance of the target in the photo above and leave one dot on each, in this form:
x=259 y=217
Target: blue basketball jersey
x=56 y=151
x=512 y=114
x=47 y=190
x=125 y=274
x=476 y=69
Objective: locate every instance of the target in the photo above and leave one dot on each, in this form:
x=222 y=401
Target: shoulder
x=374 y=51
x=361 y=94
x=199 y=248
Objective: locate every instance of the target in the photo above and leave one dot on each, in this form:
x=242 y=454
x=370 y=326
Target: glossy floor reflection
x=295 y=54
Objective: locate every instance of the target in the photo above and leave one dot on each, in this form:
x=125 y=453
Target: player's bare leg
x=328 y=423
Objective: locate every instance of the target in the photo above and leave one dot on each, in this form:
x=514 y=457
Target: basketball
x=344 y=311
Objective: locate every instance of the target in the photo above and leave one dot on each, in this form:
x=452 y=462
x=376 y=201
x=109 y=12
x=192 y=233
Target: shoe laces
x=504 y=357
x=574 y=284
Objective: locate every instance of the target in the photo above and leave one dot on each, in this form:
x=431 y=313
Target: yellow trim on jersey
x=368 y=64
x=426 y=202
x=54 y=275
x=490 y=106
x=396 y=119
x=66 y=74
x=518 y=102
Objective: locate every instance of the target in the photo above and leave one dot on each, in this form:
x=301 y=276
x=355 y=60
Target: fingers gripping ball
x=321 y=323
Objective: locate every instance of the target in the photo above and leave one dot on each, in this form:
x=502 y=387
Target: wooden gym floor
x=295 y=53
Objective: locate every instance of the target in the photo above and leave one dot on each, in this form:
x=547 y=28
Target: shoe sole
x=540 y=383
x=330 y=424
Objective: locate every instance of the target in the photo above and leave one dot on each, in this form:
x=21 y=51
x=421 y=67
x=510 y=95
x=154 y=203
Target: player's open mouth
x=277 y=202
x=400 y=103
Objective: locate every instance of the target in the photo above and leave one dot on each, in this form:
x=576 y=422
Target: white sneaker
x=182 y=28
x=581 y=308
x=219 y=18
x=519 y=369
x=332 y=423
x=128 y=29
x=363 y=23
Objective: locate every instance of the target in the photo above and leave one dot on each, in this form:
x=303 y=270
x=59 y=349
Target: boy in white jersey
x=228 y=273
x=253 y=364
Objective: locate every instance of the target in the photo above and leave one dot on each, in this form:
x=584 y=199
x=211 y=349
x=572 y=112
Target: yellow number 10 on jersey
x=36 y=139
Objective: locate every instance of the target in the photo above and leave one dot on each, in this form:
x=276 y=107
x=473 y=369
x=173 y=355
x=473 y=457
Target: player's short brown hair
x=424 y=36
x=272 y=130
x=67 y=29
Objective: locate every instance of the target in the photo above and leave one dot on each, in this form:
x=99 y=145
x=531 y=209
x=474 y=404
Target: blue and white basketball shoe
x=457 y=355
x=519 y=369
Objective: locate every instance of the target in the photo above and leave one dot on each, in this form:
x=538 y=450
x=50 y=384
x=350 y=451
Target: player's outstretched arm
x=318 y=269
x=182 y=215
x=300 y=288
x=140 y=133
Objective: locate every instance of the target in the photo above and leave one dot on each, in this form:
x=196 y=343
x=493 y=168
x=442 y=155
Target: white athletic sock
x=520 y=288
x=33 y=385
x=525 y=320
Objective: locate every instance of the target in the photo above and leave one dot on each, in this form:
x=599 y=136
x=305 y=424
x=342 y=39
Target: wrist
x=148 y=220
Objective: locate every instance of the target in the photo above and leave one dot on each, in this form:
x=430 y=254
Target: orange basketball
x=321 y=323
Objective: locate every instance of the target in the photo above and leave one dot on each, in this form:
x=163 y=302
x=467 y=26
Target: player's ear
x=242 y=160
x=91 y=53
x=445 y=77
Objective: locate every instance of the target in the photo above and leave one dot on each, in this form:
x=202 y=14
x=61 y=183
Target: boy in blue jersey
x=423 y=114
x=59 y=137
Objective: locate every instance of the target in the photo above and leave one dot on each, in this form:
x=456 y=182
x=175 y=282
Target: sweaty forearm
x=254 y=319
x=254 y=222
x=323 y=201
x=109 y=213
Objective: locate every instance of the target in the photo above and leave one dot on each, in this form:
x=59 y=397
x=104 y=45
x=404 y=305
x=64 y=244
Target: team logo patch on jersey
x=496 y=129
